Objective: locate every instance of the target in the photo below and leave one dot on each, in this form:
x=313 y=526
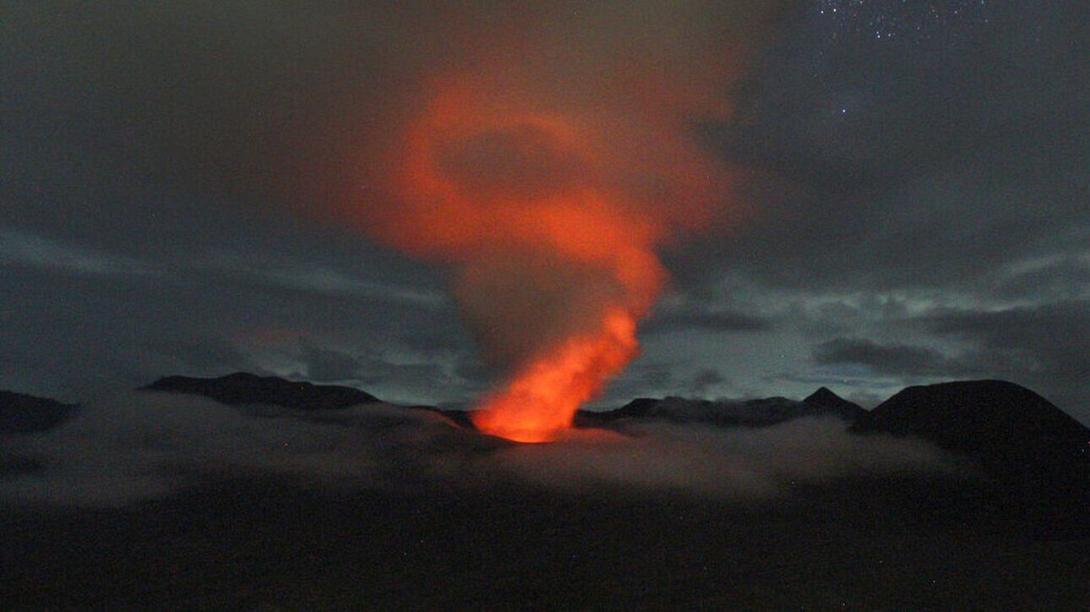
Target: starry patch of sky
x=901 y=20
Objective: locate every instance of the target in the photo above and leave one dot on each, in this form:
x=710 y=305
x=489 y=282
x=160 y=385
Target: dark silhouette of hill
x=243 y=388
x=21 y=413
x=27 y=414
x=1036 y=455
x=827 y=401
x=1003 y=425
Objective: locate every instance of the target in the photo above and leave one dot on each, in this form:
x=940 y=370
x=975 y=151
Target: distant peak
x=824 y=399
x=823 y=395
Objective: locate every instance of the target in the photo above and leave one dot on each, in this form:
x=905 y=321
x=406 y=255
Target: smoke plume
x=546 y=160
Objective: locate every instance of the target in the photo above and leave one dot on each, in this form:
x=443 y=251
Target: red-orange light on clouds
x=514 y=189
x=541 y=400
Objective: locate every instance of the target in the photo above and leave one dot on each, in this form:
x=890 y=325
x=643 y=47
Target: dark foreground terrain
x=271 y=545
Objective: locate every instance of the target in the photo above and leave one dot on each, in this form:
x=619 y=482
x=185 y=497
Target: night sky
x=915 y=176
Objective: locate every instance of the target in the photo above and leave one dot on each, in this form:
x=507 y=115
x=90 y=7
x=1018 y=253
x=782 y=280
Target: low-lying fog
x=142 y=445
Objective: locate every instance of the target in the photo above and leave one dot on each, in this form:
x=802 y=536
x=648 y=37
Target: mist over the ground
x=147 y=445
x=739 y=462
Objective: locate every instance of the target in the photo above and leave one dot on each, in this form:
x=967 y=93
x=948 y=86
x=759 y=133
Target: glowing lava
x=541 y=400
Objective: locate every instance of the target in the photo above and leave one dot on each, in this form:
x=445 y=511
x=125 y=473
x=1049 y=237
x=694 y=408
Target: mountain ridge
x=242 y=388
x=730 y=413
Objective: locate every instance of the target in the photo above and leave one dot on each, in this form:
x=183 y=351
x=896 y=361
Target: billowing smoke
x=144 y=445
x=547 y=158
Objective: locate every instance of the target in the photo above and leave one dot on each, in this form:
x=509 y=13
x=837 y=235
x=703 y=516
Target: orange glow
x=541 y=400
x=557 y=204
x=549 y=203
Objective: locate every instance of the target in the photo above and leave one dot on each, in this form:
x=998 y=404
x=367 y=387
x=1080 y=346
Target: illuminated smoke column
x=545 y=169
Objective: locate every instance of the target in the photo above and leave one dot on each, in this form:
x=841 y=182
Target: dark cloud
x=1048 y=346
x=706 y=379
x=705 y=320
x=324 y=365
x=883 y=358
x=1063 y=279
